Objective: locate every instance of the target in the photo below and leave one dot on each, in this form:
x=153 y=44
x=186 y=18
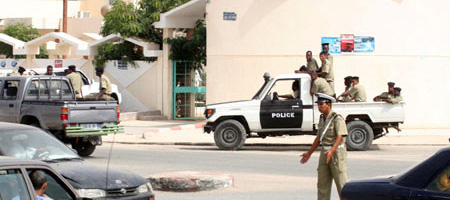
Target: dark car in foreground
x=429 y=180
x=15 y=182
x=27 y=142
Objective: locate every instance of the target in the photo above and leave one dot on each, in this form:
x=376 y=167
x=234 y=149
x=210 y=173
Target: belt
x=329 y=147
x=330 y=81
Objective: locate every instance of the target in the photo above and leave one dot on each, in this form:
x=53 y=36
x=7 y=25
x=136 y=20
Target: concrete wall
x=139 y=85
x=411 y=39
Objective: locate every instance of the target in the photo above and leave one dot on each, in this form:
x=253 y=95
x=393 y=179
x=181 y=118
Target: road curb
x=179 y=127
x=190 y=181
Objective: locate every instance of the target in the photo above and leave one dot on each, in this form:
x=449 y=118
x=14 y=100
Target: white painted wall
x=412 y=48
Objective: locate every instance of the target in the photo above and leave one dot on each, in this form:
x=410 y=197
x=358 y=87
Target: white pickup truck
x=89 y=85
x=266 y=114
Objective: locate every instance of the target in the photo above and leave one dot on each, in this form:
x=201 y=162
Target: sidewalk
x=174 y=132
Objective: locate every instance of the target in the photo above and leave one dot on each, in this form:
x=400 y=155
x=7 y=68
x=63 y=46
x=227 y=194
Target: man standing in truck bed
x=333 y=156
x=76 y=81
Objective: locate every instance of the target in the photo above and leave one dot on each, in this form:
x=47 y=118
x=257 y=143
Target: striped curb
x=178 y=128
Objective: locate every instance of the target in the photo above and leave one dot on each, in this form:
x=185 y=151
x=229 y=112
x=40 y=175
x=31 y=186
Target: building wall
x=412 y=48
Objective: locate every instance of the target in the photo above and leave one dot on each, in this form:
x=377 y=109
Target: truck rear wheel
x=360 y=136
x=230 y=135
x=84 y=149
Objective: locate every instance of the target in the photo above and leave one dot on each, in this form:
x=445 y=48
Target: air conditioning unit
x=84 y=14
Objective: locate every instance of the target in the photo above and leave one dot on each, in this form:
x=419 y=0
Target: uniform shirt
x=295 y=94
x=385 y=95
x=396 y=99
x=312 y=65
x=76 y=81
x=320 y=85
x=327 y=68
x=349 y=97
x=330 y=59
x=359 y=93
x=105 y=84
x=336 y=128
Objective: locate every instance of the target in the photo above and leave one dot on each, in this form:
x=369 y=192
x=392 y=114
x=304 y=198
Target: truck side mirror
x=275 y=96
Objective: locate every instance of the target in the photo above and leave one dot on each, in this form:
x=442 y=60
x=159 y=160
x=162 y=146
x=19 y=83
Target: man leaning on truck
x=105 y=85
x=333 y=156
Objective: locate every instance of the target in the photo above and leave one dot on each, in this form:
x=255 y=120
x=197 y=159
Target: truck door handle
x=295 y=106
x=11 y=105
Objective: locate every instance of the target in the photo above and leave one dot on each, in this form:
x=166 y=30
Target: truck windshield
x=263 y=89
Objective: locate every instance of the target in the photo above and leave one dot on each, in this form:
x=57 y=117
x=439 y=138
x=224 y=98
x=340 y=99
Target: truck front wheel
x=360 y=136
x=230 y=135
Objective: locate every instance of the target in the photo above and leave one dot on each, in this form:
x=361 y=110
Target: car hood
x=82 y=175
x=230 y=104
x=374 y=180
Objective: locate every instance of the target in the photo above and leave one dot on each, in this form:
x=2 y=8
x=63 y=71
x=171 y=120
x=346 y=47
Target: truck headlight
x=145 y=188
x=209 y=112
x=91 y=193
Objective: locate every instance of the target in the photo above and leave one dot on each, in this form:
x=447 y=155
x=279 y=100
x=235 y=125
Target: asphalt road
x=259 y=172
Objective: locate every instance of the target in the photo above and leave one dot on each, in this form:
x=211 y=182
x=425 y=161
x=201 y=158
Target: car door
x=13 y=184
x=57 y=188
x=9 y=102
x=278 y=110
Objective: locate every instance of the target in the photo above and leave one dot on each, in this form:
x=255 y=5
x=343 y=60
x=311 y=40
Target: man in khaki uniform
x=105 y=85
x=50 y=71
x=319 y=85
x=311 y=63
x=386 y=95
x=396 y=98
x=326 y=48
x=348 y=86
x=333 y=155
x=326 y=70
x=357 y=93
x=76 y=81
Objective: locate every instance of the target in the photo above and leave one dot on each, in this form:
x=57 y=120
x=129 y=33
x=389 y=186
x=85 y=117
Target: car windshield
x=33 y=144
x=263 y=90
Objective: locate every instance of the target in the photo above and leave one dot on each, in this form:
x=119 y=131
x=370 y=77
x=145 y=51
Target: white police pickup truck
x=267 y=114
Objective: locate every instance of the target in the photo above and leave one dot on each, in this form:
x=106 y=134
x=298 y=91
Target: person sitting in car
x=295 y=91
x=39 y=181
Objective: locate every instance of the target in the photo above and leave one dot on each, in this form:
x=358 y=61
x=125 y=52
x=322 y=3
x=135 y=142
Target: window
x=286 y=89
x=56 y=189
x=9 y=90
x=12 y=185
x=442 y=182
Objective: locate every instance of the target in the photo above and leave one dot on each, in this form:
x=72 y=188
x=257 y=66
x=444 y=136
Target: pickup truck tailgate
x=98 y=113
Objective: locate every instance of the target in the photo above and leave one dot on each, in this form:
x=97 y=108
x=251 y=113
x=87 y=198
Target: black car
x=27 y=142
x=15 y=182
x=429 y=180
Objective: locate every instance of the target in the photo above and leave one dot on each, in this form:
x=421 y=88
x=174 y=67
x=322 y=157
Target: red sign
x=58 y=63
x=347 y=43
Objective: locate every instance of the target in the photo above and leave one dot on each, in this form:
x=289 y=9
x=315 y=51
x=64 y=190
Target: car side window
x=9 y=90
x=56 y=189
x=442 y=182
x=83 y=78
x=286 y=89
x=12 y=185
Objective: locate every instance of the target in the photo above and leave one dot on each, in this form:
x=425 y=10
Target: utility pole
x=65 y=16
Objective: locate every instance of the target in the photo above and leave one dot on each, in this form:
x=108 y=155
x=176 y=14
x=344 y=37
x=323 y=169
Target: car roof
x=9 y=161
x=15 y=126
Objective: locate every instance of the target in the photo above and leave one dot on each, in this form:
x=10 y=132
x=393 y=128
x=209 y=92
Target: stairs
x=151 y=116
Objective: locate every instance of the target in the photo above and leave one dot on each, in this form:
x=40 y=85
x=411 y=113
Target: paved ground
x=172 y=132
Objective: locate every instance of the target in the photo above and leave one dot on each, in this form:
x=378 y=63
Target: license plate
x=91 y=126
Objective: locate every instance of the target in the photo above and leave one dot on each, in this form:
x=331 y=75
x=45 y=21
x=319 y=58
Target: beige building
x=411 y=39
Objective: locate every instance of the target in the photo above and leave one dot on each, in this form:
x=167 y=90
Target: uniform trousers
x=336 y=169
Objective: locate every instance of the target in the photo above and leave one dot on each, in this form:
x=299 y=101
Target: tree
x=128 y=21
x=122 y=19
x=22 y=32
x=193 y=49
